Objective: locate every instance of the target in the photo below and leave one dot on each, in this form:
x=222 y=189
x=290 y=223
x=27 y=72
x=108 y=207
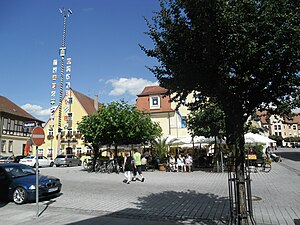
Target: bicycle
x=266 y=165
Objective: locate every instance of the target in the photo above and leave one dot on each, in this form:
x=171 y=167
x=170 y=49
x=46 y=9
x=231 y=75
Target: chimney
x=96 y=106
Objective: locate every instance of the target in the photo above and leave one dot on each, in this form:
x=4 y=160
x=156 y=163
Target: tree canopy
x=207 y=122
x=242 y=55
x=118 y=123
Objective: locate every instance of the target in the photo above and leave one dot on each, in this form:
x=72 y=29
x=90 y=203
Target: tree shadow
x=3 y=203
x=297 y=221
x=174 y=207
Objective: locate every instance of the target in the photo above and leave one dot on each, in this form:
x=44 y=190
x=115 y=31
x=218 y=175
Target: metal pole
x=65 y=13
x=37 y=182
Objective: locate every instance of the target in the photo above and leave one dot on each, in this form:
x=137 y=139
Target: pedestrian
x=267 y=152
x=128 y=167
x=138 y=165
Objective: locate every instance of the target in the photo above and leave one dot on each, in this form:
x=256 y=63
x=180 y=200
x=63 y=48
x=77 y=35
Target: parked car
x=31 y=160
x=18 y=157
x=18 y=184
x=6 y=159
x=67 y=160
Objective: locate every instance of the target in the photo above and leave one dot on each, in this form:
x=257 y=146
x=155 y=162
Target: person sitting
x=189 y=162
x=180 y=163
x=172 y=163
x=144 y=163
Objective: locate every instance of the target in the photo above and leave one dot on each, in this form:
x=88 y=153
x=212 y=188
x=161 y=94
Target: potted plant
x=161 y=148
x=78 y=135
x=50 y=136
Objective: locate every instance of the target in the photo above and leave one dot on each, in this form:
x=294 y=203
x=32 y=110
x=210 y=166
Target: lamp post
x=62 y=53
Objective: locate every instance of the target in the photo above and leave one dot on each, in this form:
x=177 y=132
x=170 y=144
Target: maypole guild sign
x=62 y=51
x=30 y=124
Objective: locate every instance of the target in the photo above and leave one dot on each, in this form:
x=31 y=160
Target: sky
x=102 y=39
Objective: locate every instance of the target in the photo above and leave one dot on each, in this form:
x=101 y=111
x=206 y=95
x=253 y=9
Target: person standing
x=128 y=167
x=138 y=165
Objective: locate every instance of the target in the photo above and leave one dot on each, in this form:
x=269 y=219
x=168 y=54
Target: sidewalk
x=199 y=198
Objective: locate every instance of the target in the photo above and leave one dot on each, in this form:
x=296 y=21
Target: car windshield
x=19 y=170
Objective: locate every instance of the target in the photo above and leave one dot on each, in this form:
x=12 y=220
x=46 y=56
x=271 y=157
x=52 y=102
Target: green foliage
x=256 y=149
x=292 y=139
x=242 y=55
x=118 y=123
x=207 y=122
x=161 y=148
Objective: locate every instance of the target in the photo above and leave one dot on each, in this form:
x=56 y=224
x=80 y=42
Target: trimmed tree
x=242 y=55
x=117 y=123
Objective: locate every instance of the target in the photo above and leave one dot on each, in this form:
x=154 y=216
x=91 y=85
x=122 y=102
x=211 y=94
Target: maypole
x=62 y=53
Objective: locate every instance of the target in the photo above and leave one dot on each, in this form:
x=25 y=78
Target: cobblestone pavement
x=164 y=198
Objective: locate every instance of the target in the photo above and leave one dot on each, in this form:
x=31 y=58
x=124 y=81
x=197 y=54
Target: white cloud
x=36 y=110
x=296 y=110
x=132 y=86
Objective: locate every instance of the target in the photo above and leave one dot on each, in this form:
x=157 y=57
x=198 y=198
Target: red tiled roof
x=153 y=90
x=7 y=106
x=292 y=120
x=86 y=102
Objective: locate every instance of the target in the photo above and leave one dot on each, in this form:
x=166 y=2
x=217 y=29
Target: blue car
x=18 y=184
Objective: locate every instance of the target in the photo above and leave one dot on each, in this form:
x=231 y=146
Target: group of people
x=180 y=163
x=132 y=167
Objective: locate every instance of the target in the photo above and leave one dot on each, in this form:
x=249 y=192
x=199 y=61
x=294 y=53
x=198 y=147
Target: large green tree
x=117 y=123
x=242 y=54
x=208 y=121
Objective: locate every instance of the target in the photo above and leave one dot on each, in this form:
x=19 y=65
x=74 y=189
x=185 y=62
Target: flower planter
x=162 y=167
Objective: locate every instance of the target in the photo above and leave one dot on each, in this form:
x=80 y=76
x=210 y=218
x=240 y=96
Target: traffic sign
x=38 y=136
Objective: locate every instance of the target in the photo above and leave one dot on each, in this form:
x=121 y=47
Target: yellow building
x=74 y=107
x=153 y=100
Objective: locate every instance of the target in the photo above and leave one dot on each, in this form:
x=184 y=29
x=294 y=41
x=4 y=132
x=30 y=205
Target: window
x=10 y=146
x=154 y=102
x=40 y=151
x=275 y=127
x=279 y=127
x=50 y=132
x=294 y=127
x=70 y=116
x=3 y=142
x=78 y=150
x=49 y=152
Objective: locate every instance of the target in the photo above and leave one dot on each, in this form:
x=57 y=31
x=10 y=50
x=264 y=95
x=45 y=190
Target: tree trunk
x=235 y=141
x=116 y=151
x=96 y=155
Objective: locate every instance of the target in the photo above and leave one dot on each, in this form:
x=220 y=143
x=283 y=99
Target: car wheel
x=57 y=165
x=69 y=164
x=20 y=195
x=51 y=164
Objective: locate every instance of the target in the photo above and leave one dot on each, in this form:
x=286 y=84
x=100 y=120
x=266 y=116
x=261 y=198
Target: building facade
x=279 y=126
x=155 y=101
x=13 y=134
x=74 y=107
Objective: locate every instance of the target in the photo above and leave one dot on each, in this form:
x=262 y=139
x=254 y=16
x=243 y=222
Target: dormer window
x=154 y=102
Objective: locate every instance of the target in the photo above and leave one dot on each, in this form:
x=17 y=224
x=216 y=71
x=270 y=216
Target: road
x=199 y=197
x=290 y=158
